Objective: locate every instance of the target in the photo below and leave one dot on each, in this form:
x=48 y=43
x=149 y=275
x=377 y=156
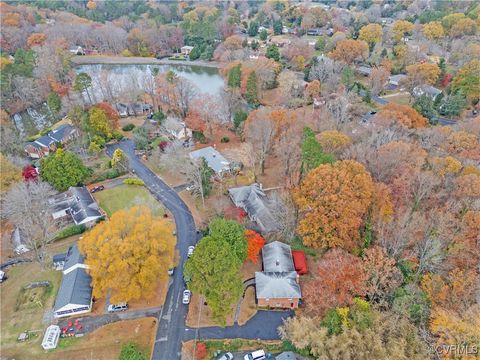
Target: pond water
x=123 y=78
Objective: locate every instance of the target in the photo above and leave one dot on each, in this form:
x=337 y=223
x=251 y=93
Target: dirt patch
x=200 y=315
x=6 y=243
x=32 y=298
x=248 y=308
x=249 y=268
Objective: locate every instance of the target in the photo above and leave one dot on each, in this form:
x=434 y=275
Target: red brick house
x=46 y=144
x=277 y=285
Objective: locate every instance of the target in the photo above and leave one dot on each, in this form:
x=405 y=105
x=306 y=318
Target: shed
x=52 y=335
x=300 y=262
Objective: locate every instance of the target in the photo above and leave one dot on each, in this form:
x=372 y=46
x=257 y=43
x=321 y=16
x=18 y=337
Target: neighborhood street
x=172 y=321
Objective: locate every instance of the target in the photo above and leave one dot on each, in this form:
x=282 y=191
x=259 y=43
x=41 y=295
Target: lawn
x=125 y=197
x=234 y=345
x=30 y=311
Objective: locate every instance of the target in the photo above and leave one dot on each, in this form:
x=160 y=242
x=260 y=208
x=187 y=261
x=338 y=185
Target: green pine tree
x=252 y=92
x=234 y=76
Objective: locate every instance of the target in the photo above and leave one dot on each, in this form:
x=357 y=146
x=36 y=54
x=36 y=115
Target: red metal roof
x=300 y=262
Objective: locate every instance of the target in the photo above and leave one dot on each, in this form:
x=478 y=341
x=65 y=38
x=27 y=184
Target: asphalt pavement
x=171 y=326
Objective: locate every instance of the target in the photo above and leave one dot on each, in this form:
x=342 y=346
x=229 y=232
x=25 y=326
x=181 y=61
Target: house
x=214 y=159
x=79 y=204
x=51 y=337
x=256 y=204
x=133 y=109
x=314 y=32
x=58 y=261
x=186 y=50
x=75 y=293
x=46 y=144
x=277 y=285
x=177 y=129
x=364 y=70
x=396 y=81
x=431 y=91
x=77 y=50
x=122 y=109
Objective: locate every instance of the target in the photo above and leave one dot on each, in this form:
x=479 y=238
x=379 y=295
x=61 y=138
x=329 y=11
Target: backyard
x=125 y=197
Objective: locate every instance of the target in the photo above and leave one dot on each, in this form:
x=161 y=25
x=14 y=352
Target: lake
x=207 y=79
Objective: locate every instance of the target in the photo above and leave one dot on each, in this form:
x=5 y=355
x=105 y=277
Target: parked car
x=117 y=307
x=255 y=355
x=97 y=188
x=190 y=250
x=226 y=356
x=171 y=271
x=3 y=277
x=187 y=294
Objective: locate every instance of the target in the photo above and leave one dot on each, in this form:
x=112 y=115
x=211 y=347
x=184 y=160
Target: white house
x=52 y=335
x=75 y=293
x=177 y=129
x=186 y=50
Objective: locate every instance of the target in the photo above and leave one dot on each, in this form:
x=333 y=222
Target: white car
x=187 y=294
x=171 y=271
x=226 y=356
x=255 y=355
x=190 y=250
x=118 y=307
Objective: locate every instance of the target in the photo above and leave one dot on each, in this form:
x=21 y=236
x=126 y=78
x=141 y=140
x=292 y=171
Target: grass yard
x=125 y=197
x=23 y=311
x=401 y=99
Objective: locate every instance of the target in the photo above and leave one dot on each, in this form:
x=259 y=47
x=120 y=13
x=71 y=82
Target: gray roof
x=82 y=205
x=45 y=140
x=286 y=355
x=364 y=70
x=59 y=257
x=75 y=287
x=253 y=200
x=277 y=285
x=214 y=159
x=73 y=257
x=61 y=132
x=397 y=78
x=277 y=257
x=427 y=89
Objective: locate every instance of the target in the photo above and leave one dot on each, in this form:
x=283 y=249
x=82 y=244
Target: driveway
x=171 y=326
x=262 y=326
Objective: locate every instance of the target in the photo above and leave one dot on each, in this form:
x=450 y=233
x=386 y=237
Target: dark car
x=97 y=188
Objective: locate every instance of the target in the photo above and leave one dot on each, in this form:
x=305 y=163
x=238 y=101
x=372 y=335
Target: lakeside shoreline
x=121 y=60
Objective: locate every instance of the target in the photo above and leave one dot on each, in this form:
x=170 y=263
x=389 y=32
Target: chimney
x=277 y=262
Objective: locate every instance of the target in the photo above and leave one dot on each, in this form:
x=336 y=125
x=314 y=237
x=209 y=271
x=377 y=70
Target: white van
x=256 y=355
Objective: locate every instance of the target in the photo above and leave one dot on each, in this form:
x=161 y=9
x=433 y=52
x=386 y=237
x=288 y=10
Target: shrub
x=45 y=131
x=117 y=135
x=69 y=231
x=128 y=127
x=131 y=351
x=225 y=139
x=198 y=136
x=133 y=182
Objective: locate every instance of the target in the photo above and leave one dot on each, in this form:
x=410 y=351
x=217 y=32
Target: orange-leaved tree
x=339 y=277
x=403 y=115
x=255 y=243
x=333 y=201
x=128 y=254
x=110 y=112
x=36 y=39
x=350 y=51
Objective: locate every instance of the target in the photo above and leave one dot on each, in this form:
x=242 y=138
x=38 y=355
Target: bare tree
x=284 y=213
x=26 y=206
x=186 y=91
x=260 y=133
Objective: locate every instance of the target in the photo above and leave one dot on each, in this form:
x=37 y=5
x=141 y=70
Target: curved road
x=171 y=327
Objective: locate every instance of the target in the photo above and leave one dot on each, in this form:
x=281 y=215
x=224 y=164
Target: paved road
x=262 y=326
x=172 y=317
x=384 y=101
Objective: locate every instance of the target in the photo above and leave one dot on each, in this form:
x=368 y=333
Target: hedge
x=133 y=182
x=69 y=231
x=128 y=127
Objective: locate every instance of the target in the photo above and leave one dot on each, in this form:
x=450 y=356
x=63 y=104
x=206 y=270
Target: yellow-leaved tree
x=128 y=254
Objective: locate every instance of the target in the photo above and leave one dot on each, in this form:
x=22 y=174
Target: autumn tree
x=377 y=79
x=401 y=28
x=463 y=27
x=433 y=30
x=10 y=173
x=110 y=113
x=333 y=141
x=138 y=245
x=332 y=201
x=371 y=34
x=36 y=39
x=119 y=161
x=63 y=169
x=255 y=243
x=29 y=173
x=213 y=271
x=467 y=80
x=312 y=90
x=383 y=277
x=338 y=278
x=350 y=51
x=402 y=115
x=25 y=199
x=99 y=124
x=422 y=74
